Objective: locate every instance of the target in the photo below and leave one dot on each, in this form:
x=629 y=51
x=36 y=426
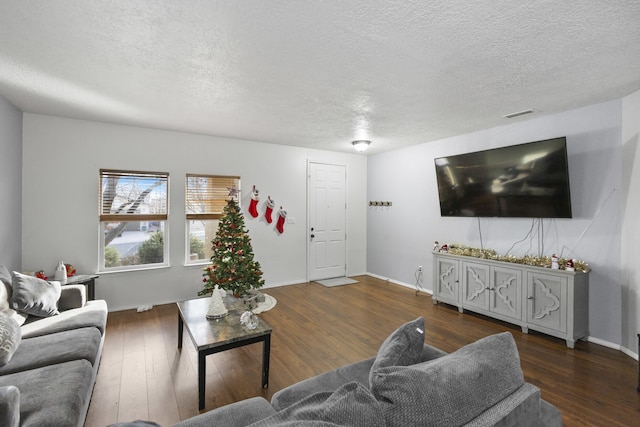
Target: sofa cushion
x=521 y=408
x=36 y=352
x=9 y=406
x=54 y=395
x=350 y=405
x=94 y=314
x=35 y=296
x=328 y=381
x=238 y=414
x=10 y=336
x=453 y=389
x=403 y=347
x=72 y=296
x=136 y=423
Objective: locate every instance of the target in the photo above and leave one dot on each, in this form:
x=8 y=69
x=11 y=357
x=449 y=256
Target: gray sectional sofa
x=408 y=383
x=50 y=348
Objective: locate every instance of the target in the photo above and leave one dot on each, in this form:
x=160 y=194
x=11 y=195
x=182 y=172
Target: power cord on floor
x=418 y=275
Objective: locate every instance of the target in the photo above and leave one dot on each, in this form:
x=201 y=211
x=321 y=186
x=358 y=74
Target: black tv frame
x=529 y=180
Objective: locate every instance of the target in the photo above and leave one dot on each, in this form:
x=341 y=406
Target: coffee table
x=214 y=336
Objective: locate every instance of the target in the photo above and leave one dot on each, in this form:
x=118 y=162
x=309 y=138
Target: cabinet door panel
x=447 y=285
x=506 y=296
x=546 y=301
x=475 y=285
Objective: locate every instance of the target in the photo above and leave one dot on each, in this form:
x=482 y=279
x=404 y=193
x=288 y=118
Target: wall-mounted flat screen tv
x=524 y=181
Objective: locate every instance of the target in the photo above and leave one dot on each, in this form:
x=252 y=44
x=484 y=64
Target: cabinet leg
x=525 y=330
x=460 y=309
x=571 y=343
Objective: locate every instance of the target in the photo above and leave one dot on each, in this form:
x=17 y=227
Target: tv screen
x=524 y=181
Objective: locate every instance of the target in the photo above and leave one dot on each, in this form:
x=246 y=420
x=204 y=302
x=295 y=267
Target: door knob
x=313 y=235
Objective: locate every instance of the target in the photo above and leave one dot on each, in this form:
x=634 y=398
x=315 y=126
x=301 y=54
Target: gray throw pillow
x=10 y=336
x=402 y=348
x=451 y=390
x=35 y=296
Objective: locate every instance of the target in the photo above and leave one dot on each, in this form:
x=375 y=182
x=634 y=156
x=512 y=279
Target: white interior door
x=327 y=217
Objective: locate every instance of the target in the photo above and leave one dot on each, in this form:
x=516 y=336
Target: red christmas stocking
x=282 y=214
x=270 y=205
x=253 y=205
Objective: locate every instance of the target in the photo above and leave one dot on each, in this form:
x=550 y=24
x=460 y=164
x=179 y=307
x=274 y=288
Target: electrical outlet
x=420 y=268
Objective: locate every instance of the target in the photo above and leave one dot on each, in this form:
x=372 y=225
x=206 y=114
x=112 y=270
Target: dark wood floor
x=144 y=376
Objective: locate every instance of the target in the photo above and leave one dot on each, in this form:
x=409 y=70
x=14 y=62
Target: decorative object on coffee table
x=249 y=320
x=216 y=310
x=232 y=265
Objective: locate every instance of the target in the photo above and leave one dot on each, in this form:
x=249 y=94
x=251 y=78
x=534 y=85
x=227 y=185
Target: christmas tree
x=232 y=265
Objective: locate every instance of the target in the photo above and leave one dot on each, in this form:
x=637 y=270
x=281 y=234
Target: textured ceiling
x=316 y=74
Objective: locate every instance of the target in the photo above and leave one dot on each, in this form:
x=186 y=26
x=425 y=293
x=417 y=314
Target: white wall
x=401 y=237
x=630 y=226
x=62 y=158
x=10 y=185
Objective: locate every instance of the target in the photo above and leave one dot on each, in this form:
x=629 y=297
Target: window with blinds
x=206 y=196
x=133 y=214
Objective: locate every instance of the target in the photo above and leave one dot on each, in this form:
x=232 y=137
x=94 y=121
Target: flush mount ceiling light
x=361 y=144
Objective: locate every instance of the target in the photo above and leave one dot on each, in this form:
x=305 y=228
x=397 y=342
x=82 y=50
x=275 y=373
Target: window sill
x=130 y=269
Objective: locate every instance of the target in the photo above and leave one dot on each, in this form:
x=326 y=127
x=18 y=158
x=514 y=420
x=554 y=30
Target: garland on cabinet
x=536 y=261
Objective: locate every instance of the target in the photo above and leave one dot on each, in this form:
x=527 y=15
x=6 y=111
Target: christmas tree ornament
x=232 y=265
x=253 y=204
x=216 y=310
x=282 y=215
x=270 y=205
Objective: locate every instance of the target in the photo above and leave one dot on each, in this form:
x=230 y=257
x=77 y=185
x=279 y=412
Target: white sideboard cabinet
x=555 y=302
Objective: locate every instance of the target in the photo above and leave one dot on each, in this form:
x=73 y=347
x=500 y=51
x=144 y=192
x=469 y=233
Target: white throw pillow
x=5 y=288
x=10 y=336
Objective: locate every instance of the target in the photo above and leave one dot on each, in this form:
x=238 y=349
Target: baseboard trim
x=629 y=353
x=604 y=343
x=397 y=282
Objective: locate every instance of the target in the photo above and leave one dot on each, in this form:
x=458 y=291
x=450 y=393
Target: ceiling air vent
x=519 y=113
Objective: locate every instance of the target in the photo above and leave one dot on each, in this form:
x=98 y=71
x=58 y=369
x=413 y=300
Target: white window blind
x=207 y=195
x=133 y=195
